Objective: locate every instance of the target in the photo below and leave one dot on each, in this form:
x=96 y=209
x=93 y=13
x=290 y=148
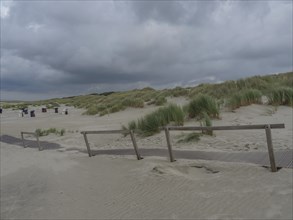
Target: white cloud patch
x=34 y=27
x=5 y=8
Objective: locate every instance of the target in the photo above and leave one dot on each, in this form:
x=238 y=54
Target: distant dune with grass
x=205 y=101
x=277 y=88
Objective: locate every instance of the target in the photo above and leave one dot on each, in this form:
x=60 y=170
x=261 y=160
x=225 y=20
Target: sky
x=63 y=48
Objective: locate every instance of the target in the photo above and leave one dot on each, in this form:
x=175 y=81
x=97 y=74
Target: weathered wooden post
x=169 y=144
x=22 y=139
x=135 y=145
x=37 y=136
x=87 y=144
x=270 y=148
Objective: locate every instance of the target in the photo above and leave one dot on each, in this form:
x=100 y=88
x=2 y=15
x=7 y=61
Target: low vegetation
x=191 y=137
x=281 y=96
x=277 y=87
x=201 y=105
x=228 y=88
x=45 y=132
x=244 y=98
x=151 y=123
x=158 y=101
x=206 y=122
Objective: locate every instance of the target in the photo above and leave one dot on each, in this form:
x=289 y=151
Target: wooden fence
x=85 y=133
x=167 y=129
x=31 y=133
x=267 y=128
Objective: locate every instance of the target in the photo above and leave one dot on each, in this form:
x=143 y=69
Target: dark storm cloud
x=58 y=48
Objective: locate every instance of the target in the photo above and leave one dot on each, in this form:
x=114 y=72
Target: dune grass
x=151 y=123
x=244 y=98
x=92 y=110
x=14 y=106
x=206 y=122
x=160 y=100
x=191 y=137
x=110 y=102
x=179 y=91
x=45 y=132
x=203 y=104
x=133 y=102
x=228 y=88
x=281 y=96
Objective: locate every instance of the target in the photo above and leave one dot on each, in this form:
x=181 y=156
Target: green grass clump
x=7 y=106
x=244 y=98
x=45 y=132
x=179 y=91
x=160 y=100
x=203 y=104
x=132 y=125
x=185 y=138
x=92 y=110
x=116 y=108
x=206 y=122
x=251 y=96
x=105 y=112
x=151 y=123
x=133 y=102
x=281 y=96
x=52 y=105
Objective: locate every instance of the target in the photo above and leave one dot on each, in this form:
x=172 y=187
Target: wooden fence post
x=87 y=144
x=169 y=144
x=38 y=141
x=135 y=145
x=270 y=148
x=22 y=140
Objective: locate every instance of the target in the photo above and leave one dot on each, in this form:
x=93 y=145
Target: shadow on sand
x=29 y=143
x=283 y=157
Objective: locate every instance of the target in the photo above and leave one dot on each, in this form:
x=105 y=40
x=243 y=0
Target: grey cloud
x=159 y=10
x=76 y=47
x=175 y=12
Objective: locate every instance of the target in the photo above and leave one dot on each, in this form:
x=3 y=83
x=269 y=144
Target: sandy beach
x=62 y=182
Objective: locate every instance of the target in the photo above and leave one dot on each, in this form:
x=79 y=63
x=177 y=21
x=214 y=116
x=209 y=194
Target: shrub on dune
x=160 y=100
x=206 y=122
x=45 y=132
x=117 y=108
x=92 y=110
x=185 y=138
x=251 y=96
x=133 y=102
x=203 y=104
x=281 y=96
x=151 y=123
x=244 y=98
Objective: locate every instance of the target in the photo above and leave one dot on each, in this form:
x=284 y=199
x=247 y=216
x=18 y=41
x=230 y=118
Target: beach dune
x=62 y=182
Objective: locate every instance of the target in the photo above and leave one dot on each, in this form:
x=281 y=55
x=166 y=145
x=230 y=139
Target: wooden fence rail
x=84 y=133
x=234 y=127
x=31 y=133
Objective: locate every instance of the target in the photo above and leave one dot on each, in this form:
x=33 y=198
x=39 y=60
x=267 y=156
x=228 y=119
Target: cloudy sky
x=63 y=48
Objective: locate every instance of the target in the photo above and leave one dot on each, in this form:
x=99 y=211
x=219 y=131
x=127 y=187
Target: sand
x=62 y=182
